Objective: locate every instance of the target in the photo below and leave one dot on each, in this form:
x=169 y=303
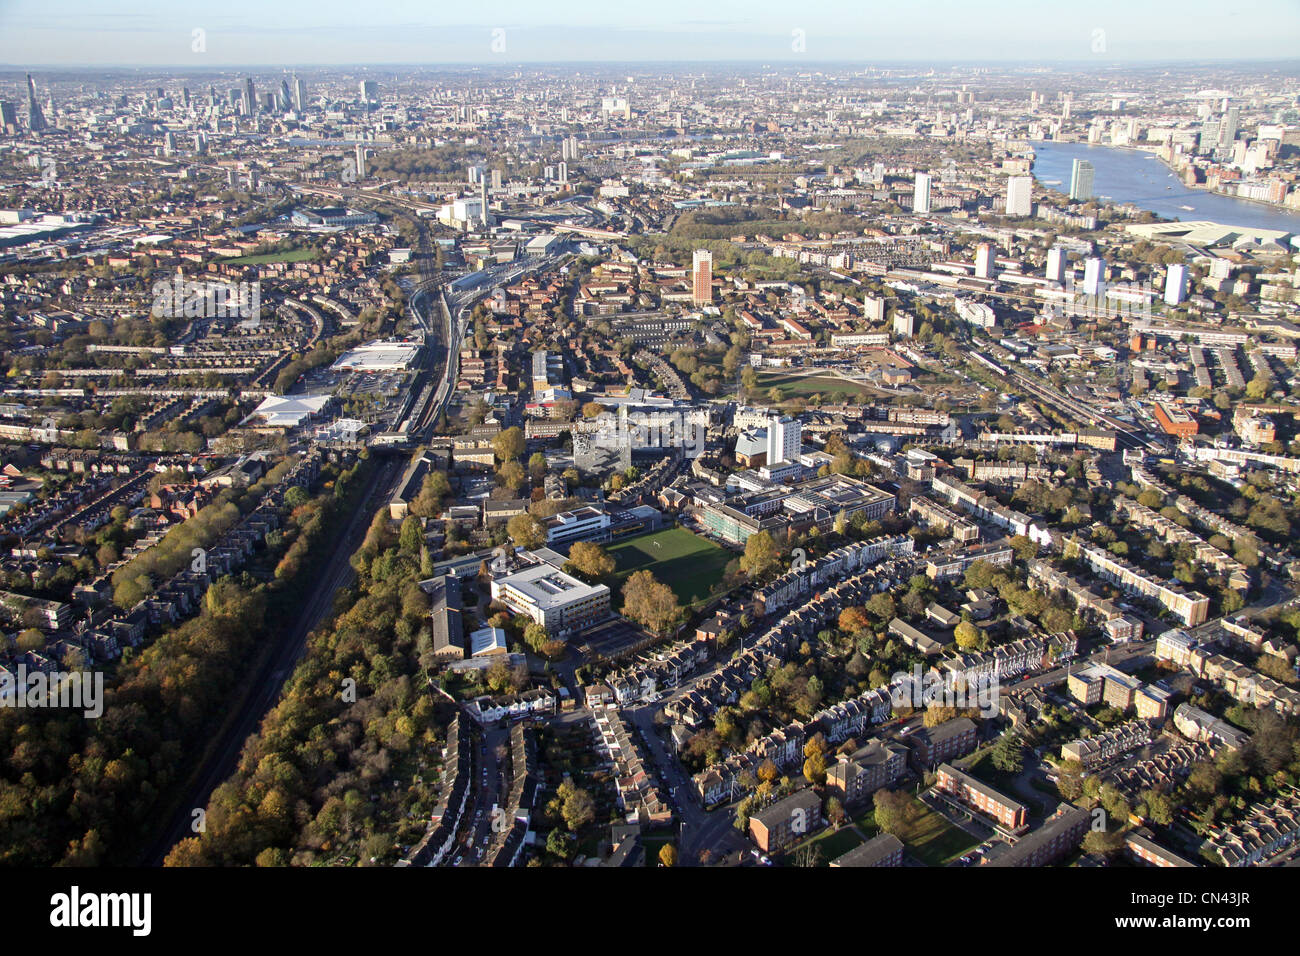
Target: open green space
x=687 y=563
x=291 y=255
x=803 y=386
x=934 y=841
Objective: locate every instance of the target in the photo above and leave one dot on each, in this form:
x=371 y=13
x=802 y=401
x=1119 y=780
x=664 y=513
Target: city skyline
x=329 y=34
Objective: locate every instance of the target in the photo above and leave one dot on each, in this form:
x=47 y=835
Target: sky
x=71 y=33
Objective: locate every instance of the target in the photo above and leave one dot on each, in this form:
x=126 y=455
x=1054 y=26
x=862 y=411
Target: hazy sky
x=289 y=32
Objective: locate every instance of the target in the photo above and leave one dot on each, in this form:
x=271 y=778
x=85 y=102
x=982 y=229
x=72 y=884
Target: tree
x=895 y=810
x=1008 y=754
x=1102 y=843
x=591 y=559
x=814 y=769
x=1069 y=780
x=537 y=466
x=853 y=619
x=967 y=635
x=1024 y=549
x=650 y=602
x=511 y=475
x=526 y=531
x=509 y=444
x=559 y=843
x=668 y=855
x=1259 y=387
x=577 y=808
x=411 y=538
x=881 y=607
x=760 y=555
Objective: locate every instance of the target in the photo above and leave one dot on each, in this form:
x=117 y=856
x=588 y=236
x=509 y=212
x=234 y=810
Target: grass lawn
x=795 y=386
x=934 y=841
x=835 y=843
x=293 y=255
x=687 y=563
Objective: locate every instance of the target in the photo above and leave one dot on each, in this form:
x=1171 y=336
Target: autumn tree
x=760 y=555
x=650 y=602
x=509 y=444
x=526 y=531
x=591 y=559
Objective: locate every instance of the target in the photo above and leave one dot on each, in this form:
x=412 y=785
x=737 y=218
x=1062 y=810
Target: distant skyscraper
x=1175 y=284
x=369 y=91
x=702 y=276
x=1067 y=101
x=984 y=261
x=496 y=179
x=286 y=98
x=563 y=172
x=8 y=117
x=35 y=118
x=1056 y=264
x=1081 y=179
x=1231 y=118
x=361 y=161
x=299 y=95
x=921 y=193
x=904 y=325
x=249 y=97
x=1020 y=191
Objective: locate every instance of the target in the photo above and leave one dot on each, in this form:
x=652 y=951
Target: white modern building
x=1056 y=264
x=921 y=195
x=784 y=440
x=557 y=601
x=1020 y=195
x=1176 y=285
x=1081 y=174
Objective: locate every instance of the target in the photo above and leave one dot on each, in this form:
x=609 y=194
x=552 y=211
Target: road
x=337 y=574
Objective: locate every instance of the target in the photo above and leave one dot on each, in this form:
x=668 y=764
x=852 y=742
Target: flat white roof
x=548 y=587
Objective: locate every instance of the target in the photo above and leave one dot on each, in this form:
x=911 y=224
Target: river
x=1137 y=177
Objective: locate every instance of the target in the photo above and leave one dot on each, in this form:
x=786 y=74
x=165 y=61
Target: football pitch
x=687 y=563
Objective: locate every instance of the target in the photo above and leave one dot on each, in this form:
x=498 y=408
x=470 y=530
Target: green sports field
x=687 y=563
x=293 y=255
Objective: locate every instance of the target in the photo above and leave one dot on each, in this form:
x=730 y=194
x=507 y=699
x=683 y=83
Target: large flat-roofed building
x=1175 y=421
x=378 y=357
x=840 y=494
x=333 y=216
x=581 y=524
x=559 y=602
